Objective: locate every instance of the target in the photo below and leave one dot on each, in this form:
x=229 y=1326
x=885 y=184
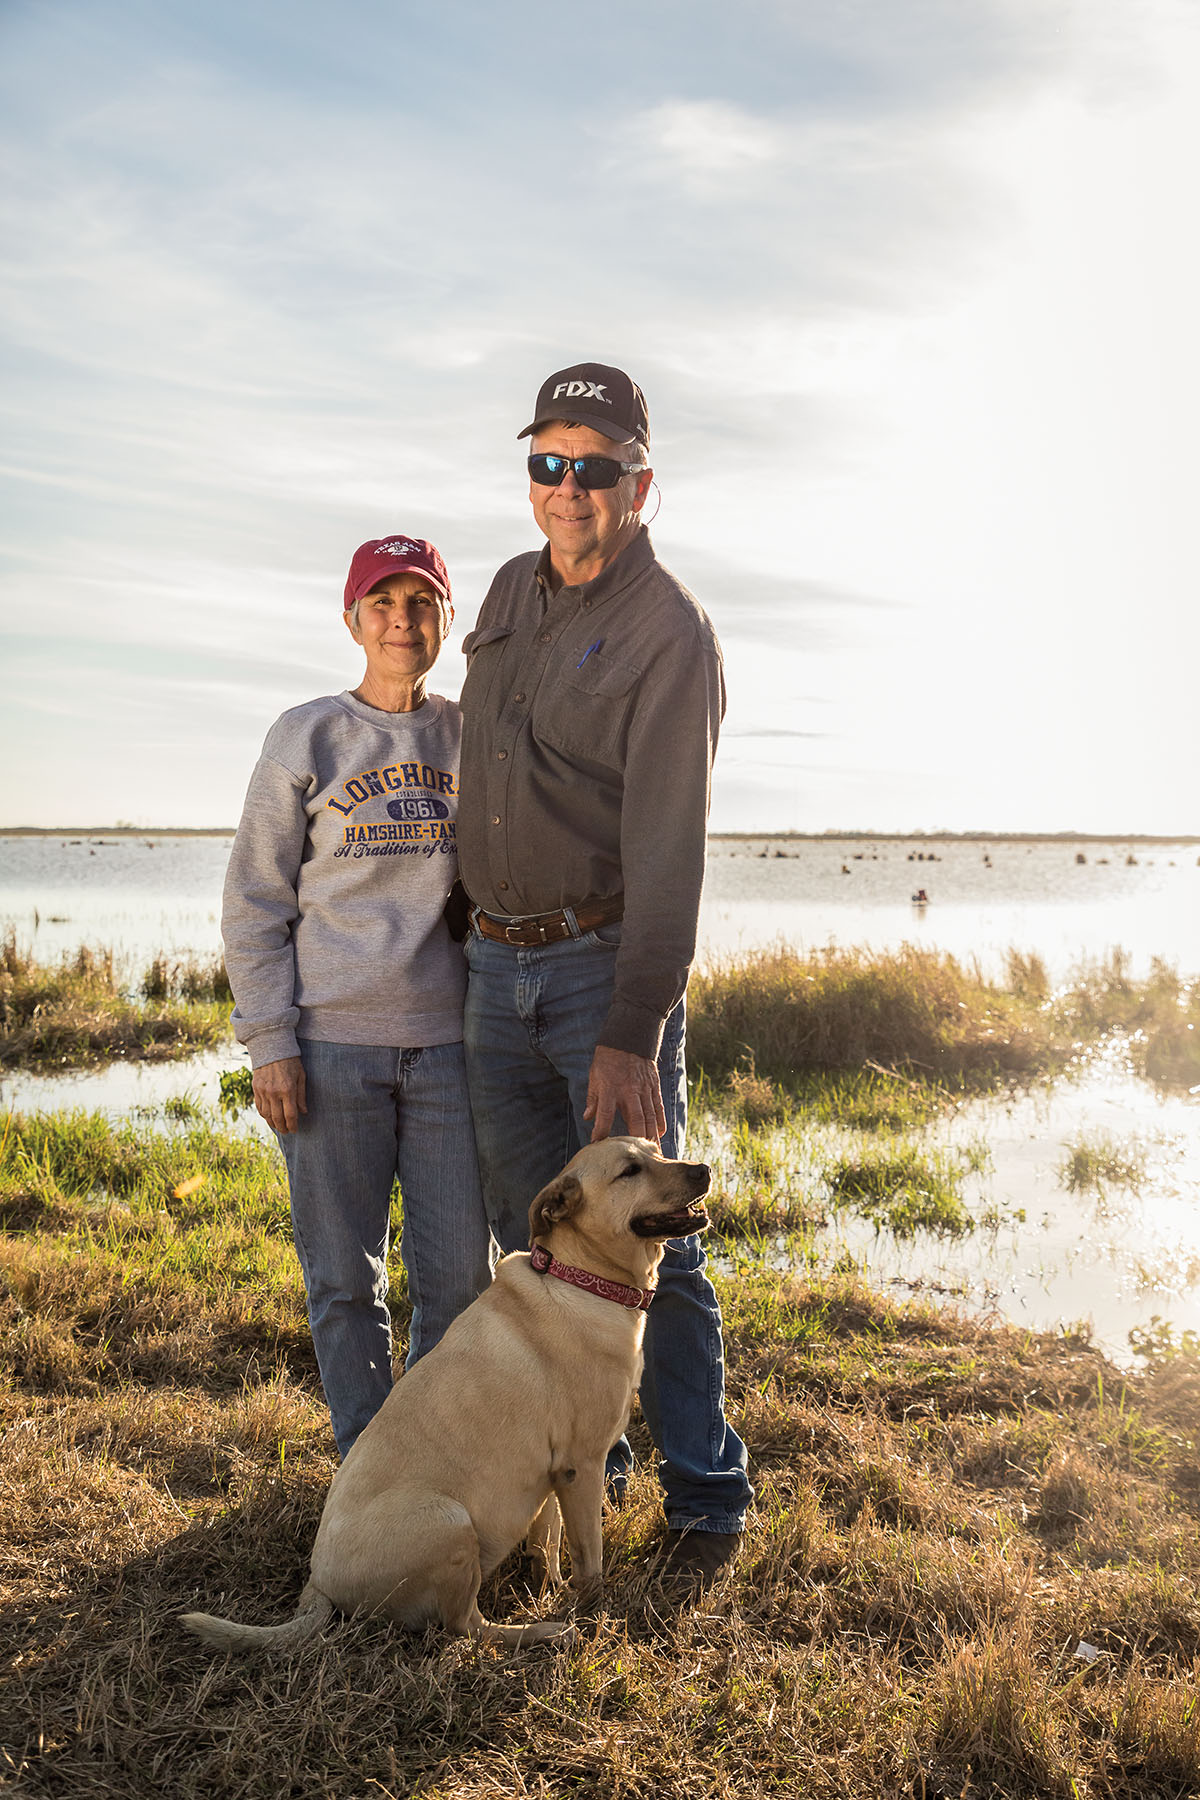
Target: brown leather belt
x=551 y=927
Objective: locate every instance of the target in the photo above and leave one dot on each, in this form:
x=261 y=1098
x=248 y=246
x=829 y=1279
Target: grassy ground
x=972 y=1569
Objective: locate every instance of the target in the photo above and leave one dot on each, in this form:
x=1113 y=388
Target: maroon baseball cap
x=595 y=395
x=399 y=555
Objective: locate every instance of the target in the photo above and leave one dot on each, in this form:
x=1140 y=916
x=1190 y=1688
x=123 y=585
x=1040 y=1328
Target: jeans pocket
x=607 y=936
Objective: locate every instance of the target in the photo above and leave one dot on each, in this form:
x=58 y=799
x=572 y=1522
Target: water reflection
x=125 y=1087
x=1116 y=1257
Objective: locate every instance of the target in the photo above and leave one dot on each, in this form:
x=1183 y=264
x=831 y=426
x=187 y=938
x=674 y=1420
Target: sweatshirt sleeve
x=258 y=909
x=664 y=824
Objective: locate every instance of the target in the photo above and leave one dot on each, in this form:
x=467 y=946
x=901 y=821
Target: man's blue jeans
x=376 y=1113
x=532 y=1023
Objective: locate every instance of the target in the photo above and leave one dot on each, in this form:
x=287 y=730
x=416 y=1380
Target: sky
x=911 y=287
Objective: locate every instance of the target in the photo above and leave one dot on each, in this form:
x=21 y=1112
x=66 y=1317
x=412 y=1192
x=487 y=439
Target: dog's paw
x=587 y=1594
x=561 y=1632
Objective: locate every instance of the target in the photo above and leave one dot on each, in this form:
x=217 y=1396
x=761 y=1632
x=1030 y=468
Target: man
x=591 y=707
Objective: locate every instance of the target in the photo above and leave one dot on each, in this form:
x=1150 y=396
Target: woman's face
x=402 y=624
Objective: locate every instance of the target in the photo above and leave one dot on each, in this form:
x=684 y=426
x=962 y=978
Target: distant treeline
x=123 y=831
x=956 y=837
x=733 y=837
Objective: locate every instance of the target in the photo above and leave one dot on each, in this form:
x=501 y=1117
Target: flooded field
x=1064 y=899
x=1121 y=1250
x=1118 y=1255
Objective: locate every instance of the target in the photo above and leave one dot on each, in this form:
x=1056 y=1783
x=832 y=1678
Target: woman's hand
x=279 y=1093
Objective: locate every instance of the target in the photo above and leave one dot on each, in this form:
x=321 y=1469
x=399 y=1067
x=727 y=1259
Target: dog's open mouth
x=680 y=1223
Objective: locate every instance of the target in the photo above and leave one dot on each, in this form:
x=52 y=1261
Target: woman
x=348 y=987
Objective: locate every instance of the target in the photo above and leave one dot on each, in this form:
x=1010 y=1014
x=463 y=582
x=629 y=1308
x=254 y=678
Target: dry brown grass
x=775 y=1018
x=85 y=1008
x=944 y=1513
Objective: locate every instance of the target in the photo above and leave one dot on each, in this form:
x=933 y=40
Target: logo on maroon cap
x=400 y=555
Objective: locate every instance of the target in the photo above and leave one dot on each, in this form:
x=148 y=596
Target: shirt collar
x=612 y=579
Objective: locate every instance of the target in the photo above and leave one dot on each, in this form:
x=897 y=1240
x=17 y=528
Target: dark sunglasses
x=589 y=471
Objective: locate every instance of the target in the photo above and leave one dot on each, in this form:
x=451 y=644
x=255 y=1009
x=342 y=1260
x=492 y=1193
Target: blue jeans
x=532 y=1022
x=376 y=1113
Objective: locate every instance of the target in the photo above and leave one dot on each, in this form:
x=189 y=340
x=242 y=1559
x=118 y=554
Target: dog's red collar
x=545 y=1264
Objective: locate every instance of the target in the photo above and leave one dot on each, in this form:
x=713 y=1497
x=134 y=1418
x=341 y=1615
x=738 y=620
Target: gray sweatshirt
x=332 y=912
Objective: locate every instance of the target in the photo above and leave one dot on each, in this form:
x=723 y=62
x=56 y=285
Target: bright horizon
x=122 y=828
x=909 y=287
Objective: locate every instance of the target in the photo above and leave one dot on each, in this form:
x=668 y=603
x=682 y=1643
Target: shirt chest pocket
x=586 y=712
x=484 y=650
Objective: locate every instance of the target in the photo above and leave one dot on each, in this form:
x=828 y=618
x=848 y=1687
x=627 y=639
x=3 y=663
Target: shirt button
x=545 y=637
x=495 y=818
x=501 y=755
x=503 y=886
x=518 y=698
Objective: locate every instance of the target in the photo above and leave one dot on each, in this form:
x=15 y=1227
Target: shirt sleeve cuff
x=274 y=1045
x=632 y=1028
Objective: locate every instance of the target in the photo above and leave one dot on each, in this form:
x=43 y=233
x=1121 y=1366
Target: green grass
x=1160 y=1342
x=1096 y=1161
x=865 y=1099
x=902 y=1189
x=945 y=1511
x=116 y=1230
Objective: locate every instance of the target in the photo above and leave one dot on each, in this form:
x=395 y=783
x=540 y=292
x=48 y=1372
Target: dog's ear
x=556 y=1202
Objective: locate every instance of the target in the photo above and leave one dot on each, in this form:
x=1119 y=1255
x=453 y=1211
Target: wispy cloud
x=279 y=278
x=705 y=144
x=773 y=732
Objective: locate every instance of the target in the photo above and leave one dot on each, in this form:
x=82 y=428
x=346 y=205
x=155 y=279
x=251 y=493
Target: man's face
x=586 y=526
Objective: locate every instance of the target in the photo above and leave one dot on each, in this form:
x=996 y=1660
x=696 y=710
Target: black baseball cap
x=597 y=395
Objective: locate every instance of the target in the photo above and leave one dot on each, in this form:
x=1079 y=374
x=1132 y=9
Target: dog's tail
x=313 y=1611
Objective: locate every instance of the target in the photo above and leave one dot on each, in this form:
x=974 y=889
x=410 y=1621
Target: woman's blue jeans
x=375 y=1114
x=532 y=1023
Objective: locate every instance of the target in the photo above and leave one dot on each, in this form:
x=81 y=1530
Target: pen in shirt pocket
x=598 y=645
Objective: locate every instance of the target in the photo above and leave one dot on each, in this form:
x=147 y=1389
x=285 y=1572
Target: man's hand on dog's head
x=620 y=1082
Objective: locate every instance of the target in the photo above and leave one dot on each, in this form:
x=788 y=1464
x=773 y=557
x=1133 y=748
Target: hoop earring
x=657 y=508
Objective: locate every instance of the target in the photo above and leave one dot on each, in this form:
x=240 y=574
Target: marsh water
x=1045 y=1257
x=1063 y=898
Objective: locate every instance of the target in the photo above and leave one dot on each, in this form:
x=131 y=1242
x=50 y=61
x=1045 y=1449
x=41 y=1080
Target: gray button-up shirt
x=590 y=720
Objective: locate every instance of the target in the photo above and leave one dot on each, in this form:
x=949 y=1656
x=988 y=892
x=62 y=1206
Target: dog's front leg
x=580 y=1493
x=543 y=1539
